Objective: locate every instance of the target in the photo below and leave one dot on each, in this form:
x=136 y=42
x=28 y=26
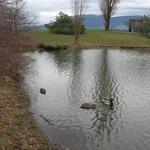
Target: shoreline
x=110 y=46
x=48 y=47
x=18 y=128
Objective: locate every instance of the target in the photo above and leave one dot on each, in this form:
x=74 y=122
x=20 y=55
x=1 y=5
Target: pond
x=72 y=77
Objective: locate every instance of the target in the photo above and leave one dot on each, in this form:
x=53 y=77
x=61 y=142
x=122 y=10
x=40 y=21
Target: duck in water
x=43 y=91
x=108 y=102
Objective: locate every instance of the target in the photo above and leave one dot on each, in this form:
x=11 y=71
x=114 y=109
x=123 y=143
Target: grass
x=93 y=38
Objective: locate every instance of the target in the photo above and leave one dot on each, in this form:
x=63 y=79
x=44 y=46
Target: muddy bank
x=17 y=128
x=46 y=47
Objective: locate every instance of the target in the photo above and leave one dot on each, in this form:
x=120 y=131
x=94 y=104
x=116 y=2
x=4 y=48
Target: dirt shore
x=48 y=47
x=17 y=128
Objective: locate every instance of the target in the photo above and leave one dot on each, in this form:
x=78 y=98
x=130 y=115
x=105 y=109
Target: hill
x=118 y=23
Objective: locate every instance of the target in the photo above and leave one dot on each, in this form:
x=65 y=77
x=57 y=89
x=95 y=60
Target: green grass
x=93 y=38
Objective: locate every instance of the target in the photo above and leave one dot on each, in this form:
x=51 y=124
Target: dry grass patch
x=17 y=130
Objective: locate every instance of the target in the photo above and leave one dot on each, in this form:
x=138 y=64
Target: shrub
x=64 y=24
x=144 y=29
x=144 y=26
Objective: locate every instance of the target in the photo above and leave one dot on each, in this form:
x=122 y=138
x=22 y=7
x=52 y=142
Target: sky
x=47 y=10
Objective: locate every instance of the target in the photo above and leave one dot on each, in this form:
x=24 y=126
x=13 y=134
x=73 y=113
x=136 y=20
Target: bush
x=144 y=29
x=144 y=26
x=64 y=24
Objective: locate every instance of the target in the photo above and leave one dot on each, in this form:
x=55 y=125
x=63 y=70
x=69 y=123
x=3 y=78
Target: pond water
x=72 y=77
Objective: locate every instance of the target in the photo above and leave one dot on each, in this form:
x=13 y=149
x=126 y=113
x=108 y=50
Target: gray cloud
x=46 y=10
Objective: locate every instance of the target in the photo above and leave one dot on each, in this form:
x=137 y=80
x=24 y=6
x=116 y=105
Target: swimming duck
x=108 y=102
x=88 y=106
x=43 y=91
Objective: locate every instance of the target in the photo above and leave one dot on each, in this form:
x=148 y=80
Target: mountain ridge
x=92 y=21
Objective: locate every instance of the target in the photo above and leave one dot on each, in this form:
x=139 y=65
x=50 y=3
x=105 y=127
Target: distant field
x=93 y=38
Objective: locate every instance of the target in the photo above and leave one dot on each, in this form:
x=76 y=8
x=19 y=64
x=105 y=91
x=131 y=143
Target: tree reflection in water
x=106 y=118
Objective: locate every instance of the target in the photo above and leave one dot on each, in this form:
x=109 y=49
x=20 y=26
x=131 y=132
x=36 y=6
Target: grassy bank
x=17 y=130
x=93 y=38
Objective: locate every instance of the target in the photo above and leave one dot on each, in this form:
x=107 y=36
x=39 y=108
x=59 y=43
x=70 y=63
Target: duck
x=41 y=51
x=43 y=91
x=88 y=106
x=108 y=102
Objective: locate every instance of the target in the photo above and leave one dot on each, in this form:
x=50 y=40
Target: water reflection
x=72 y=77
x=106 y=86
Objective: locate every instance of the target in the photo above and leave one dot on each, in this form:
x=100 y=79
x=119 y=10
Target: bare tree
x=78 y=7
x=14 y=37
x=2 y=1
x=108 y=9
x=12 y=16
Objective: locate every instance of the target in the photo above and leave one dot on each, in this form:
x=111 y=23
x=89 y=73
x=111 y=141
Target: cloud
x=46 y=10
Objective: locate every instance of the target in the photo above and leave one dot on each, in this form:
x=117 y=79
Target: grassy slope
x=93 y=38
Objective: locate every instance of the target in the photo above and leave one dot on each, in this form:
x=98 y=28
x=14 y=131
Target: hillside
x=96 y=22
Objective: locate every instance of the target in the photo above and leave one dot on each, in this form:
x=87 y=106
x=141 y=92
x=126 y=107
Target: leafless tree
x=108 y=9
x=2 y=1
x=78 y=7
x=14 y=37
x=12 y=16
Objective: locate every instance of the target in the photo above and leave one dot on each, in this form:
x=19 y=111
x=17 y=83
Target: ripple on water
x=74 y=77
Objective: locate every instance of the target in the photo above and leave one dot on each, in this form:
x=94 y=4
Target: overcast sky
x=46 y=10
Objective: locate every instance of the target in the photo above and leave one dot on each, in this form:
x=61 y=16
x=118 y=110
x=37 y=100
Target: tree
x=108 y=9
x=12 y=16
x=14 y=36
x=17 y=15
x=78 y=7
x=141 y=25
x=64 y=24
